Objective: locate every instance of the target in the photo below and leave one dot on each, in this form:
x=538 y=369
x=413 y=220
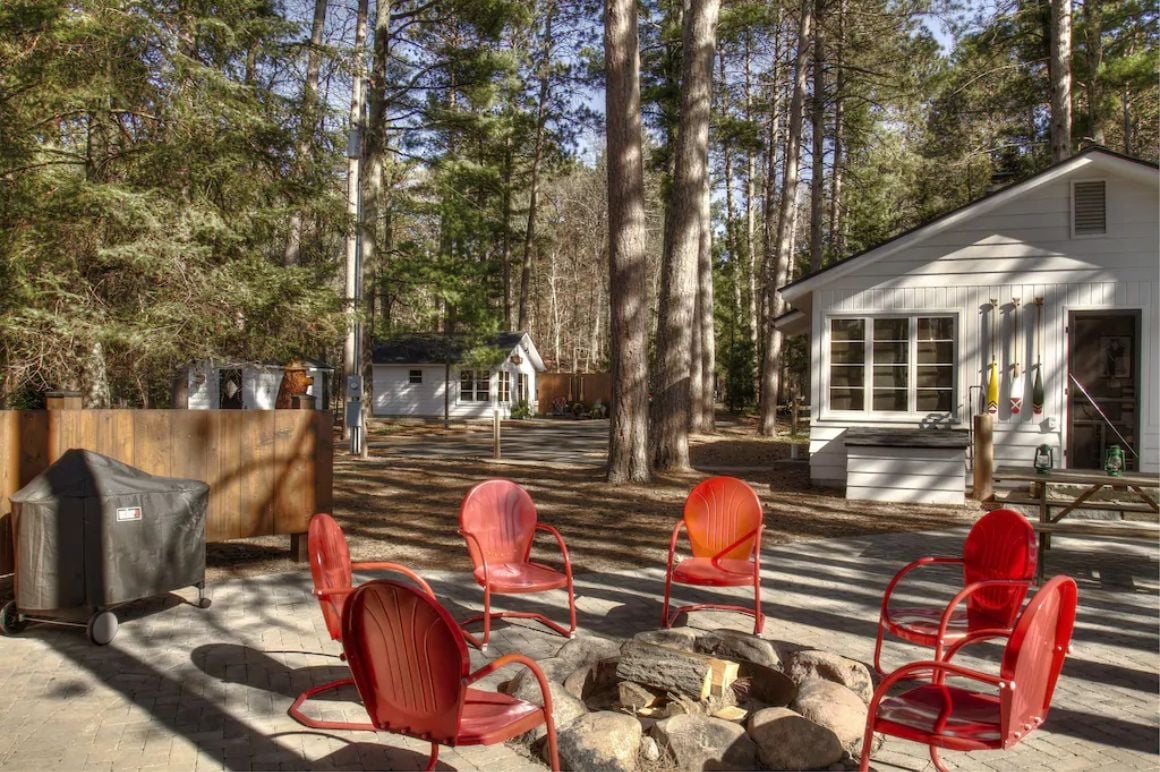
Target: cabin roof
x=440 y=348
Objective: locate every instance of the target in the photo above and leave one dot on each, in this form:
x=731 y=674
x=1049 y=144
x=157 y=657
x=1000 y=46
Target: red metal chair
x=410 y=664
x=724 y=521
x=498 y=521
x=958 y=719
x=998 y=563
x=331 y=569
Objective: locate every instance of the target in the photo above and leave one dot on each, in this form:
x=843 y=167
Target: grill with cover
x=91 y=532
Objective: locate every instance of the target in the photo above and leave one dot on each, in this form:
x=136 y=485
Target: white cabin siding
x=1024 y=250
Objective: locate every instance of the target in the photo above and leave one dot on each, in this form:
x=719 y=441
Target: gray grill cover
x=91 y=531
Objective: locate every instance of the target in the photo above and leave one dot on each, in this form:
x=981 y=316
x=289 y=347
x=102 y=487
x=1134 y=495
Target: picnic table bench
x=1066 y=503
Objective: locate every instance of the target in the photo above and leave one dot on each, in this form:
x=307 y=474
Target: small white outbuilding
x=903 y=335
x=214 y=384
x=419 y=375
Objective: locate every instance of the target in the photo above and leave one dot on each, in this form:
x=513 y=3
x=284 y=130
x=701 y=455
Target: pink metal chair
x=498 y=521
x=410 y=663
x=331 y=569
x=959 y=719
x=724 y=521
x=998 y=563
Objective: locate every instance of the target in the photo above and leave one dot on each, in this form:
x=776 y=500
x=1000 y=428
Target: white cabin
x=902 y=335
x=419 y=375
x=223 y=385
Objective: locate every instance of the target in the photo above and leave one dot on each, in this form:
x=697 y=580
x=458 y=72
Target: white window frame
x=504 y=386
x=476 y=380
x=1071 y=210
x=869 y=413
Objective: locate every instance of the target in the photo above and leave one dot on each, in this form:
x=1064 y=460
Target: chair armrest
x=517 y=659
x=673 y=543
x=482 y=557
x=754 y=534
x=328 y=594
x=560 y=543
x=965 y=593
x=911 y=566
x=396 y=568
x=976 y=637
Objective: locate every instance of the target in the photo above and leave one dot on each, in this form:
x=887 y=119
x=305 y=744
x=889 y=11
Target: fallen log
x=673 y=670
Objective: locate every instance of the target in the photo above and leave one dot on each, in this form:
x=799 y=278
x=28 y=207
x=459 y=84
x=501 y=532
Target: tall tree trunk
x=696 y=380
x=837 y=227
x=506 y=238
x=353 y=164
x=628 y=430
x=771 y=371
x=751 y=261
x=818 y=156
x=1060 y=80
x=544 y=67
x=1126 y=101
x=1094 y=48
x=670 y=407
x=705 y=326
x=309 y=120
x=768 y=211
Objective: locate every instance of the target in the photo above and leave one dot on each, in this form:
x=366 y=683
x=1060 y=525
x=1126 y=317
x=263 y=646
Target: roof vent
x=1089 y=208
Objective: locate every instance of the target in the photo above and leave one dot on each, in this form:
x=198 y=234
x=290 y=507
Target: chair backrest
x=408 y=659
x=501 y=517
x=330 y=568
x=1034 y=657
x=1000 y=545
x=718 y=512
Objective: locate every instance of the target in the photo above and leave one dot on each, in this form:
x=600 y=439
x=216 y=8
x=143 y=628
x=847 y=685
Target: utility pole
x=350 y=348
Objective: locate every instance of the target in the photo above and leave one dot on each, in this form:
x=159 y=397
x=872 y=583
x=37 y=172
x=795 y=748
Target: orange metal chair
x=998 y=563
x=724 y=521
x=498 y=521
x=956 y=718
x=410 y=663
x=331 y=569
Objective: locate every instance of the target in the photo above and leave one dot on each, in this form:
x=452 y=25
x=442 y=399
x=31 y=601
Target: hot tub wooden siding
x=922 y=467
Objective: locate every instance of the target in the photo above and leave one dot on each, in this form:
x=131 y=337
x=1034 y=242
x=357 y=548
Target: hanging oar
x=1037 y=389
x=1016 y=398
x=993 y=373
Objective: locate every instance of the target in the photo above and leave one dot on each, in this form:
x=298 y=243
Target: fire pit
x=691 y=700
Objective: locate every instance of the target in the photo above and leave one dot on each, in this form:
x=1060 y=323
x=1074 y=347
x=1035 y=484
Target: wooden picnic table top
x=1077 y=477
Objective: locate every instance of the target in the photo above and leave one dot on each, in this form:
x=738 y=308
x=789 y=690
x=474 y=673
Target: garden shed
x=1037 y=303
x=210 y=384
x=420 y=374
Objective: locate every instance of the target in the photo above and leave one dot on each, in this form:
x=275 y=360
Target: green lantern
x=1114 y=462
x=1044 y=459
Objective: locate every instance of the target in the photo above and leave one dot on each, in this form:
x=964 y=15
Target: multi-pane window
x=505 y=386
x=415 y=376
x=904 y=363
x=473 y=385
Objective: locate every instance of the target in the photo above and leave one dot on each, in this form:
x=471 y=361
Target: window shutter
x=1089 y=208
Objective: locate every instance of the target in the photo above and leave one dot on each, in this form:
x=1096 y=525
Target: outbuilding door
x=1104 y=358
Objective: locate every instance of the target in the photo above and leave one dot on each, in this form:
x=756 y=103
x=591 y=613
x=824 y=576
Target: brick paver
x=185 y=688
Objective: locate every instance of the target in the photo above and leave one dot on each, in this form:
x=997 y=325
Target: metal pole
x=495 y=424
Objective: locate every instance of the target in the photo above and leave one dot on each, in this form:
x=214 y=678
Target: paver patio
x=184 y=688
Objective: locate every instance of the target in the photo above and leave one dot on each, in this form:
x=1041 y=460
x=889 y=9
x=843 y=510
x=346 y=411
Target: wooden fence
x=268 y=470
x=574 y=387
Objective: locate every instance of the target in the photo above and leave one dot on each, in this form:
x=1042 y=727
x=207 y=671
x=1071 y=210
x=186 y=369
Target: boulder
x=683 y=638
x=600 y=742
x=787 y=740
x=739 y=647
x=803 y=665
x=649 y=749
x=833 y=707
x=525 y=686
x=565 y=710
x=764 y=684
x=701 y=742
x=594 y=684
x=586 y=650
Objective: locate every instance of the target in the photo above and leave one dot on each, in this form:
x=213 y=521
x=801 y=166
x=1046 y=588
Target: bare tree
x=818 y=129
x=628 y=459
x=353 y=165
x=670 y=407
x=309 y=120
x=1060 y=80
x=771 y=366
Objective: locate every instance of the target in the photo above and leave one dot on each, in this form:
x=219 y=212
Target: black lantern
x=1044 y=459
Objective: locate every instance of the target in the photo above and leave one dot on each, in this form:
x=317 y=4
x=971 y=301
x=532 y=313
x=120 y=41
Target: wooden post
x=299 y=541
x=63 y=400
x=495 y=422
x=984 y=457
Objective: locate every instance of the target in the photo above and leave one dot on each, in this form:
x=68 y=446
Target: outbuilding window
x=892 y=364
x=415 y=376
x=474 y=385
x=1089 y=208
x=505 y=386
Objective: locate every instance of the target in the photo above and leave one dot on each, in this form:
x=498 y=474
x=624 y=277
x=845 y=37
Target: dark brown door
x=1104 y=357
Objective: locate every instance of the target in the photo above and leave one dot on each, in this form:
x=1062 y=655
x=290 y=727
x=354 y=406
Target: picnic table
x=1056 y=490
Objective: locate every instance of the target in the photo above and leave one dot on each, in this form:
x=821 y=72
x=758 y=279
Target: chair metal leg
x=665 y=621
x=433 y=758
x=758 y=616
x=296 y=713
x=878 y=650
x=937 y=761
x=571 y=609
x=867 y=744
x=489 y=615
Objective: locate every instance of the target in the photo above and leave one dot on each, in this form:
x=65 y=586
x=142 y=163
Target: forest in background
x=174 y=174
